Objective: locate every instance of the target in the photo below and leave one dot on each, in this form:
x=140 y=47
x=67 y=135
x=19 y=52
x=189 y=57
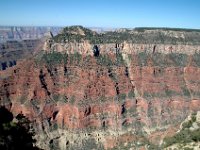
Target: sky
x=101 y=13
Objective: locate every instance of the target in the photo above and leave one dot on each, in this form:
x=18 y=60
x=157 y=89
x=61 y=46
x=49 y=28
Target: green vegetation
x=185 y=135
x=53 y=144
x=168 y=93
x=188 y=124
x=87 y=60
x=91 y=143
x=120 y=60
x=55 y=126
x=17 y=134
x=22 y=99
x=58 y=97
x=122 y=96
x=79 y=34
x=104 y=60
x=187 y=148
x=64 y=99
x=163 y=60
x=72 y=100
x=138 y=142
x=186 y=92
x=142 y=29
x=54 y=57
x=179 y=60
x=112 y=74
x=159 y=60
x=149 y=95
x=142 y=59
x=150 y=112
x=196 y=58
x=131 y=94
x=75 y=58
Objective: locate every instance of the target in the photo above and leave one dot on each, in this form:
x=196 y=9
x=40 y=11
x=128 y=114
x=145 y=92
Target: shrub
x=52 y=57
x=186 y=92
x=91 y=143
x=15 y=135
x=131 y=94
x=170 y=93
x=179 y=60
x=72 y=100
x=185 y=135
x=158 y=59
x=142 y=59
x=120 y=60
x=196 y=58
x=75 y=58
x=104 y=60
x=122 y=96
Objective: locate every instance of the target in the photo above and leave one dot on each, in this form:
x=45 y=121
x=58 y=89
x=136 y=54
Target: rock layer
x=128 y=100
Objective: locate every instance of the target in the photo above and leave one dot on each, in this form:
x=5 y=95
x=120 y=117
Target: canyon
x=123 y=89
x=16 y=33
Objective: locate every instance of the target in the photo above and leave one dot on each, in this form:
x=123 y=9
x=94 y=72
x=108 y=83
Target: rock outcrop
x=129 y=99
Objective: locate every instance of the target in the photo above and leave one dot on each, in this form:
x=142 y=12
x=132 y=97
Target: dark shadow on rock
x=15 y=135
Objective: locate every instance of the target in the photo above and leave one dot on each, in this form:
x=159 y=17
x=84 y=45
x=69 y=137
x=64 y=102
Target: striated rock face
x=129 y=48
x=12 y=51
x=79 y=39
x=124 y=100
x=11 y=33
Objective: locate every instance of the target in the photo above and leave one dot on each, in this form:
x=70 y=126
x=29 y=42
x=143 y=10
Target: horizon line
x=62 y=26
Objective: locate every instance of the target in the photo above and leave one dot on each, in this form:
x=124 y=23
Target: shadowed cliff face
x=81 y=101
x=12 y=51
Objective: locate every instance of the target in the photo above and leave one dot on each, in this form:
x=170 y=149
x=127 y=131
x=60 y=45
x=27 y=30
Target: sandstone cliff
x=131 y=98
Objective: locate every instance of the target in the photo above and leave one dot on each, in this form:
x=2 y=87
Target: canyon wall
x=131 y=98
x=125 y=47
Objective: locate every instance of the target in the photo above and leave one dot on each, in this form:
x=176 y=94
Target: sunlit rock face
x=131 y=95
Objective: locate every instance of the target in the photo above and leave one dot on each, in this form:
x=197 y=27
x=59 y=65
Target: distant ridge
x=134 y=35
x=141 y=29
